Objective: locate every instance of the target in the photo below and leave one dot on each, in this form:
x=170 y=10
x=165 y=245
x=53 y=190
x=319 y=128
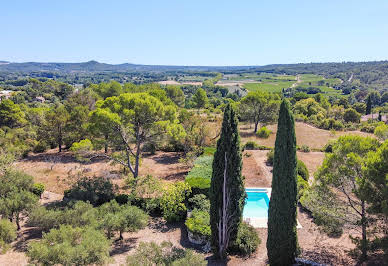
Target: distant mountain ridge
x=94 y=66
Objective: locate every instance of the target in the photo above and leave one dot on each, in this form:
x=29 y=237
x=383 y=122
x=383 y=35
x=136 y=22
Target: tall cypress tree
x=227 y=192
x=368 y=105
x=282 y=243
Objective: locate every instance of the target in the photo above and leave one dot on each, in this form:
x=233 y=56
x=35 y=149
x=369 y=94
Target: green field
x=275 y=83
x=268 y=86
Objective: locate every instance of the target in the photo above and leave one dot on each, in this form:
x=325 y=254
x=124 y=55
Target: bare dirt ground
x=306 y=134
x=59 y=170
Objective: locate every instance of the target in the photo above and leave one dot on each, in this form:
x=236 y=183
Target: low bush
x=38 y=189
x=251 y=145
x=76 y=214
x=70 y=246
x=368 y=128
x=328 y=147
x=7 y=234
x=199 y=202
x=304 y=148
x=173 y=201
x=199 y=223
x=302 y=170
x=122 y=199
x=247 y=240
x=270 y=156
x=199 y=185
x=263 y=132
x=149 y=205
x=381 y=131
x=40 y=147
x=302 y=186
x=164 y=254
x=96 y=190
x=203 y=166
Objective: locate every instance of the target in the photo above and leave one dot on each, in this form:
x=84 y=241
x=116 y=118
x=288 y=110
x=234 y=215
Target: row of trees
x=227 y=193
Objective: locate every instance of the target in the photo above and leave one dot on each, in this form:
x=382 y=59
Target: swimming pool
x=256 y=204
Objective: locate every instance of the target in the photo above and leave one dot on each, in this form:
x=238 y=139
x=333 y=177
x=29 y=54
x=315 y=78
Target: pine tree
x=227 y=192
x=282 y=243
x=369 y=106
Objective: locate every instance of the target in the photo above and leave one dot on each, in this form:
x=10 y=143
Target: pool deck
x=262 y=222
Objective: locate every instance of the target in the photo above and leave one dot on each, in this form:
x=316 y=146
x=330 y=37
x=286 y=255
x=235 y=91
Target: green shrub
x=199 y=185
x=38 y=189
x=199 y=202
x=302 y=186
x=122 y=199
x=70 y=246
x=302 y=170
x=304 y=148
x=199 y=223
x=270 y=156
x=250 y=145
x=190 y=258
x=328 y=147
x=7 y=234
x=247 y=240
x=76 y=214
x=368 y=128
x=202 y=167
x=96 y=190
x=40 y=147
x=263 y=132
x=381 y=131
x=162 y=254
x=172 y=201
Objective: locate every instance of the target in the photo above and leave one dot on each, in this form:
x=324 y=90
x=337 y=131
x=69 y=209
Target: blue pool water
x=256 y=205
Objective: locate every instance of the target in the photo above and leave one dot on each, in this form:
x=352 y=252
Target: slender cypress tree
x=368 y=105
x=227 y=192
x=282 y=243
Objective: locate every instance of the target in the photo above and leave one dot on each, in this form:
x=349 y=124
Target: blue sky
x=197 y=32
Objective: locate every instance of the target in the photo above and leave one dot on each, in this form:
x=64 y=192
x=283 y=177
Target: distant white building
x=40 y=99
x=5 y=94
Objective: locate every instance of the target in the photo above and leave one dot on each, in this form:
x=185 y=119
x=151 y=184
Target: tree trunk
x=59 y=139
x=106 y=144
x=364 y=241
x=18 y=221
x=137 y=159
x=256 y=126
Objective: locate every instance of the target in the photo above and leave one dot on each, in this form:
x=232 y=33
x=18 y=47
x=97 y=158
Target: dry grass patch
x=306 y=134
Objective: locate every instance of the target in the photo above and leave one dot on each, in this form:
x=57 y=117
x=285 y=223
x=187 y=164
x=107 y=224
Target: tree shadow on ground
x=247 y=134
x=63 y=157
x=123 y=246
x=160 y=225
x=30 y=233
x=166 y=158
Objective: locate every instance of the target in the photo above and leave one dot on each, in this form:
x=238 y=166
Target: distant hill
x=366 y=74
x=94 y=66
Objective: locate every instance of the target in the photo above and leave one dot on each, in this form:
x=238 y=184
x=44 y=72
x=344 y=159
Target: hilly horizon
x=95 y=66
